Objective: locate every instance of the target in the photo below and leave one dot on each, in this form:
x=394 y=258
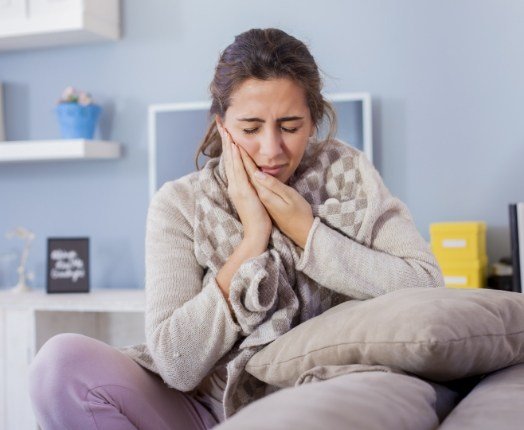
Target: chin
x=284 y=177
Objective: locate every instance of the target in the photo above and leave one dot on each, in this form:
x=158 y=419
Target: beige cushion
x=364 y=400
x=440 y=334
x=495 y=403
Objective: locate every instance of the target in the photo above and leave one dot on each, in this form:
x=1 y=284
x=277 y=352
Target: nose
x=271 y=144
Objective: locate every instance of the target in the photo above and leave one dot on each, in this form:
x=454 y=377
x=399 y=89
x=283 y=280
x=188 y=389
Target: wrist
x=254 y=244
x=302 y=232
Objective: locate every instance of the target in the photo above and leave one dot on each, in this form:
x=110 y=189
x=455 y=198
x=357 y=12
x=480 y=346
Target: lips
x=272 y=170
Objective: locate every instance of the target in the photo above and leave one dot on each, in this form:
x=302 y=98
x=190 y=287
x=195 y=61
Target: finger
x=267 y=195
x=251 y=170
x=260 y=179
x=251 y=167
x=249 y=164
x=238 y=165
x=277 y=187
x=226 y=150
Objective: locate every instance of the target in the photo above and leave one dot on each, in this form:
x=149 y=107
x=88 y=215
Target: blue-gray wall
x=446 y=77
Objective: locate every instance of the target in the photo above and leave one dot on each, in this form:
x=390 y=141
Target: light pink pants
x=78 y=383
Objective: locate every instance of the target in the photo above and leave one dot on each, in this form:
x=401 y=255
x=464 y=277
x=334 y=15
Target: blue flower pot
x=77 y=121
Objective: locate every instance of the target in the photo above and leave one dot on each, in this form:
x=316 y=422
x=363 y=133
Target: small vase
x=77 y=121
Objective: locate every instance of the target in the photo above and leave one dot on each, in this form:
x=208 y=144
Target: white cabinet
x=40 y=8
x=12 y=10
x=42 y=23
x=27 y=320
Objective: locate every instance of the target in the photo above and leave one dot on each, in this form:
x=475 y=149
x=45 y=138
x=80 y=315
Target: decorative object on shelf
x=23 y=275
x=501 y=275
x=77 y=114
x=460 y=250
x=2 y=126
x=68 y=265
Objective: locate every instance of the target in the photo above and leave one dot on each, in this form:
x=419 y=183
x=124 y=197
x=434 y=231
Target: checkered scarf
x=268 y=295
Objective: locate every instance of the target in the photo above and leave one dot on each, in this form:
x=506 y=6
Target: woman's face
x=272 y=122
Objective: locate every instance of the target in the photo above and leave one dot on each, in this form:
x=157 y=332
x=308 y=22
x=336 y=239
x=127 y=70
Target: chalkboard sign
x=68 y=265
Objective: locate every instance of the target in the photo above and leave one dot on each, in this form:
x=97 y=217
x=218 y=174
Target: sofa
x=411 y=359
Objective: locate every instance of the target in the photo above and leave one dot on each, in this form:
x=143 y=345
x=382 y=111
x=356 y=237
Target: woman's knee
x=57 y=363
x=60 y=352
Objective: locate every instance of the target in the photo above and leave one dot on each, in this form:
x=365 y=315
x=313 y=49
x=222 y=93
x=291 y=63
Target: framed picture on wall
x=68 y=265
x=176 y=129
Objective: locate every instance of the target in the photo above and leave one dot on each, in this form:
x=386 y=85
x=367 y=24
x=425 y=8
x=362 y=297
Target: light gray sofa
x=381 y=401
x=412 y=359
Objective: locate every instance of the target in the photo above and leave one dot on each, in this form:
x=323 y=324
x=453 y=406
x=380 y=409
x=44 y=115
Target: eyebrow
x=283 y=119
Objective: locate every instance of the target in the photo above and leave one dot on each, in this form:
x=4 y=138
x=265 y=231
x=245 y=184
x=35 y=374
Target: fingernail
x=259 y=175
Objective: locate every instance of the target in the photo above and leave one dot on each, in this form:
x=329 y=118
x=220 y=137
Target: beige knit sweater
x=189 y=327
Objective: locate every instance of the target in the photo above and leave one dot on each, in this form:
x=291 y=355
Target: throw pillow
x=440 y=334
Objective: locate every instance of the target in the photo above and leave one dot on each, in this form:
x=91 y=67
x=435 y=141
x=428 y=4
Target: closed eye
x=256 y=129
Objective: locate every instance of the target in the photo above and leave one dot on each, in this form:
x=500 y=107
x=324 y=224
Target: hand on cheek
x=288 y=209
x=252 y=213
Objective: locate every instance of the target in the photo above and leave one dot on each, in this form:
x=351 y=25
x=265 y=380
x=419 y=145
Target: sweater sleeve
x=254 y=290
x=387 y=254
x=189 y=326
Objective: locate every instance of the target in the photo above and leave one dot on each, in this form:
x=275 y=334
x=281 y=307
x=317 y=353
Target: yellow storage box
x=458 y=240
x=465 y=273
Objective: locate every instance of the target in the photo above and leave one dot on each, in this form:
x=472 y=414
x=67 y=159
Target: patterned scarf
x=269 y=296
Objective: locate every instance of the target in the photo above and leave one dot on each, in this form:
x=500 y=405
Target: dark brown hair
x=264 y=54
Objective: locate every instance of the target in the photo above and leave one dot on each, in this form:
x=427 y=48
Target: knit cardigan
x=189 y=326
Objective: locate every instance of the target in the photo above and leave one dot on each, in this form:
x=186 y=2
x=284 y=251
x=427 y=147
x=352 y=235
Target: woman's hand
x=253 y=215
x=289 y=210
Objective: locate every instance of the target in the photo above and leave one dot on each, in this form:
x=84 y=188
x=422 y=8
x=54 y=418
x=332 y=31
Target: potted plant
x=77 y=114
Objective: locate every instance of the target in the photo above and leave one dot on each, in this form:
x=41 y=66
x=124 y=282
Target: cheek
x=247 y=143
x=296 y=148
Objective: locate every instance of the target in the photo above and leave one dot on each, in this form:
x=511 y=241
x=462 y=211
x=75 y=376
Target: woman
x=276 y=228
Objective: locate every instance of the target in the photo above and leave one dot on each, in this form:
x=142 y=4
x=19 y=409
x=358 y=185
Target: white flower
x=84 y=98
x=72 y=95
x=69 y=94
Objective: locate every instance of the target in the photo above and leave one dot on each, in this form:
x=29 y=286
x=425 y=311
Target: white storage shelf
x=28 y=24
x=56 y=150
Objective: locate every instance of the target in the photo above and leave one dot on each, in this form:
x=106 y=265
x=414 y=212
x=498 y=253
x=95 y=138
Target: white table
x=27 y=320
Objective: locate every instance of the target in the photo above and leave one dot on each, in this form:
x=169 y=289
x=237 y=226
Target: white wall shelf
x=56 y=150
x=26 y=24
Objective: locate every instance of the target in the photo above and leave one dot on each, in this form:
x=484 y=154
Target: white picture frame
x=190 y=121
